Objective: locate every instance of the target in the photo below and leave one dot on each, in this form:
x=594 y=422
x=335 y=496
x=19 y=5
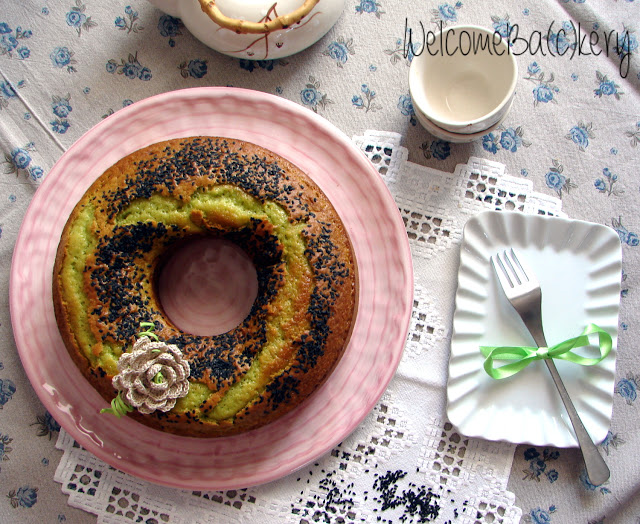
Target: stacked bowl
x=462 y=82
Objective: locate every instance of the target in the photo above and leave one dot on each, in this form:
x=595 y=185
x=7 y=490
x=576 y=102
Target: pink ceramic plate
x=385 y=296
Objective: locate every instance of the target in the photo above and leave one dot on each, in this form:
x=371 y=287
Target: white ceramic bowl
x=456 y=138
x=463 y=79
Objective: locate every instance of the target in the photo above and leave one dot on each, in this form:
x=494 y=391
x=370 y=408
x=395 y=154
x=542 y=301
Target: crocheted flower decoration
x=152 y=376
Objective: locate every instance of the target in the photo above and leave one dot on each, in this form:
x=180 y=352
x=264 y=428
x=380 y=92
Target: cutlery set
x=524 y=293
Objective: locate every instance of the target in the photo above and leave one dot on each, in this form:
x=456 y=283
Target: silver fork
x=521 y=287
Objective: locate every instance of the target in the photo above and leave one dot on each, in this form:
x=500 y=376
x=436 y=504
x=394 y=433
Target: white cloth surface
x=572 y=135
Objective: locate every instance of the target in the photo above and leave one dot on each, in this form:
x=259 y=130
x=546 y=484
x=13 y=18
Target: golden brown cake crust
x=119 y=271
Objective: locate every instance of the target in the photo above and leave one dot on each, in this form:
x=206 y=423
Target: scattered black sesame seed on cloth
x=416 y=503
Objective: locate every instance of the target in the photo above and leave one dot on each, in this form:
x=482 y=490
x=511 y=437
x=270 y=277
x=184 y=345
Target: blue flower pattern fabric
x=627 y=388
x=627 y=237
x=7 y=389
x=312 y=97
x=12 y=41
x=5 y=448
x=24 y=496
x=62 y=58
x=508 y=139
x=539 y=515
x=61 y=108
x=8 y=92
x=405 y=105
x=606 y=87
x=168 y=26
x=78 y=19
x=195 y=68
x=562 y=41
x=539 y=464
x=446 y=13
x=365 y=100
x=131 y=68
x=437 y=149
x=19 y=161
x=545 y=90
x=580 y=135
x=370 y=6
x=555 y=180
x=130 y=21
x=606 y=183
x=340 y=50
x=574 y=131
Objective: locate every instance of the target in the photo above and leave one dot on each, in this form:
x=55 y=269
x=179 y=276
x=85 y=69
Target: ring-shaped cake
x=140 y=210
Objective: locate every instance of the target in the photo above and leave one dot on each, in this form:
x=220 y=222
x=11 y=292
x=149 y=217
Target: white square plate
x=579 y=268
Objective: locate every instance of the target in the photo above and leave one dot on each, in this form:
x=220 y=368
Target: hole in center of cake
x=208 y=286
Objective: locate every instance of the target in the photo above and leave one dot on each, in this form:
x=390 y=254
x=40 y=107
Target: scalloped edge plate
x=385 y=294
x=579 y=267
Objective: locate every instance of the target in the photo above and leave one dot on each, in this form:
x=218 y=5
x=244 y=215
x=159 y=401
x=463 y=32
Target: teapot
x=255 y=29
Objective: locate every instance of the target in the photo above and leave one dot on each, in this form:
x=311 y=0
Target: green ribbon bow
x=522 y=356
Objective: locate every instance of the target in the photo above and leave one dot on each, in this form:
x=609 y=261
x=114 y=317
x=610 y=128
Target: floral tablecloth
x=570 y=144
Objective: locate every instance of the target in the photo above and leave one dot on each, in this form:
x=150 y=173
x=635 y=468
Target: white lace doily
x=405 y=462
